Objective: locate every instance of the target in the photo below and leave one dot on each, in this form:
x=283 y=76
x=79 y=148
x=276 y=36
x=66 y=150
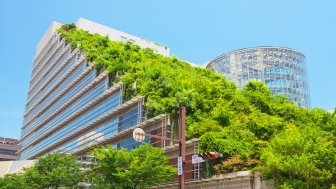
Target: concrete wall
x=9 y=144
x=10 y=167
x=237 y=180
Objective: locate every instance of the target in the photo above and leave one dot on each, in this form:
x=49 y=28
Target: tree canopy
x=54 y=171
x=114 y=168
x=138 y=168
x=248 y=126
x=13 y=181
x=301 y=157
x=51 y=171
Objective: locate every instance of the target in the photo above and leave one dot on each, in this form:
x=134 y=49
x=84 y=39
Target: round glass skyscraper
x=282 y=69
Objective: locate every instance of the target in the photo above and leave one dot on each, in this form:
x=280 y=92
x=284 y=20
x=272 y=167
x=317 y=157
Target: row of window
x=102 y=132
x=37 y=86
x=45 y=67
x=56 y=91
x=91 y=94
x=59 y=88
x=271 y=52
x=80 y=122
x=7 y=152
x=59 y=57
x=130 y=143
x=74 y=90
x=227 y=66
x=106 y=130
x=253 y=74
x=54 y=76
x=9 y=143
x=46 y=99
x=45 y=48
x=51 y=78
x=42 y=63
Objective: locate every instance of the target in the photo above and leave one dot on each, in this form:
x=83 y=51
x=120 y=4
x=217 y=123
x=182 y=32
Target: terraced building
x=71 y=105
x=74 y=103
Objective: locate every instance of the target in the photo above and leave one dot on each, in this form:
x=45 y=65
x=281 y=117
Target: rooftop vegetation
x=252 y=128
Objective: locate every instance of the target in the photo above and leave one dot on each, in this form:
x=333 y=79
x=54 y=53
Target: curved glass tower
x=282 y=69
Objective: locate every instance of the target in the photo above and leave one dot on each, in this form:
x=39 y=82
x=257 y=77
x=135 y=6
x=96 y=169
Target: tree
x=138 y=168
x=54 y=171
x=241 y=124
x=258 y=94
x=13 y=181
x=301 y=158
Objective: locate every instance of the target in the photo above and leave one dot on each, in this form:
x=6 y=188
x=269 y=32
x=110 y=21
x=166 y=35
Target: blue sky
x=194 y=30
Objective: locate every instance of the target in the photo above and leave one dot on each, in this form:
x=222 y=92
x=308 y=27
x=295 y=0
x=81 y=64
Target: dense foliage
x=138 y=168
x=250 y=127
x=114 y=168
x=52 y=171
x=13 y=181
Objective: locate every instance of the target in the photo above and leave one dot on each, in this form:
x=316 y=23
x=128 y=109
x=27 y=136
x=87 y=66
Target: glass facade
x=71 y=106
x=282 y=69
x=67 y=100
x=7 y=152
x=103 y=131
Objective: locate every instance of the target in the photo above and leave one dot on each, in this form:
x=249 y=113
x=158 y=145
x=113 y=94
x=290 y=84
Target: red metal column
x=182 y=144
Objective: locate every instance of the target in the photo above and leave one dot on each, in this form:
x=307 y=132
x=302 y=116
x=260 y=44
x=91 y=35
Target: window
x=7 y=152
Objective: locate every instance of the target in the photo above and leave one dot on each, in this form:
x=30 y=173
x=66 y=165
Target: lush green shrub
x=244 y=124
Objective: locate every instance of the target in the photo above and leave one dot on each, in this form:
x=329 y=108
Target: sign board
x=139 y=135
x=196 y=159
x=179 y=166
